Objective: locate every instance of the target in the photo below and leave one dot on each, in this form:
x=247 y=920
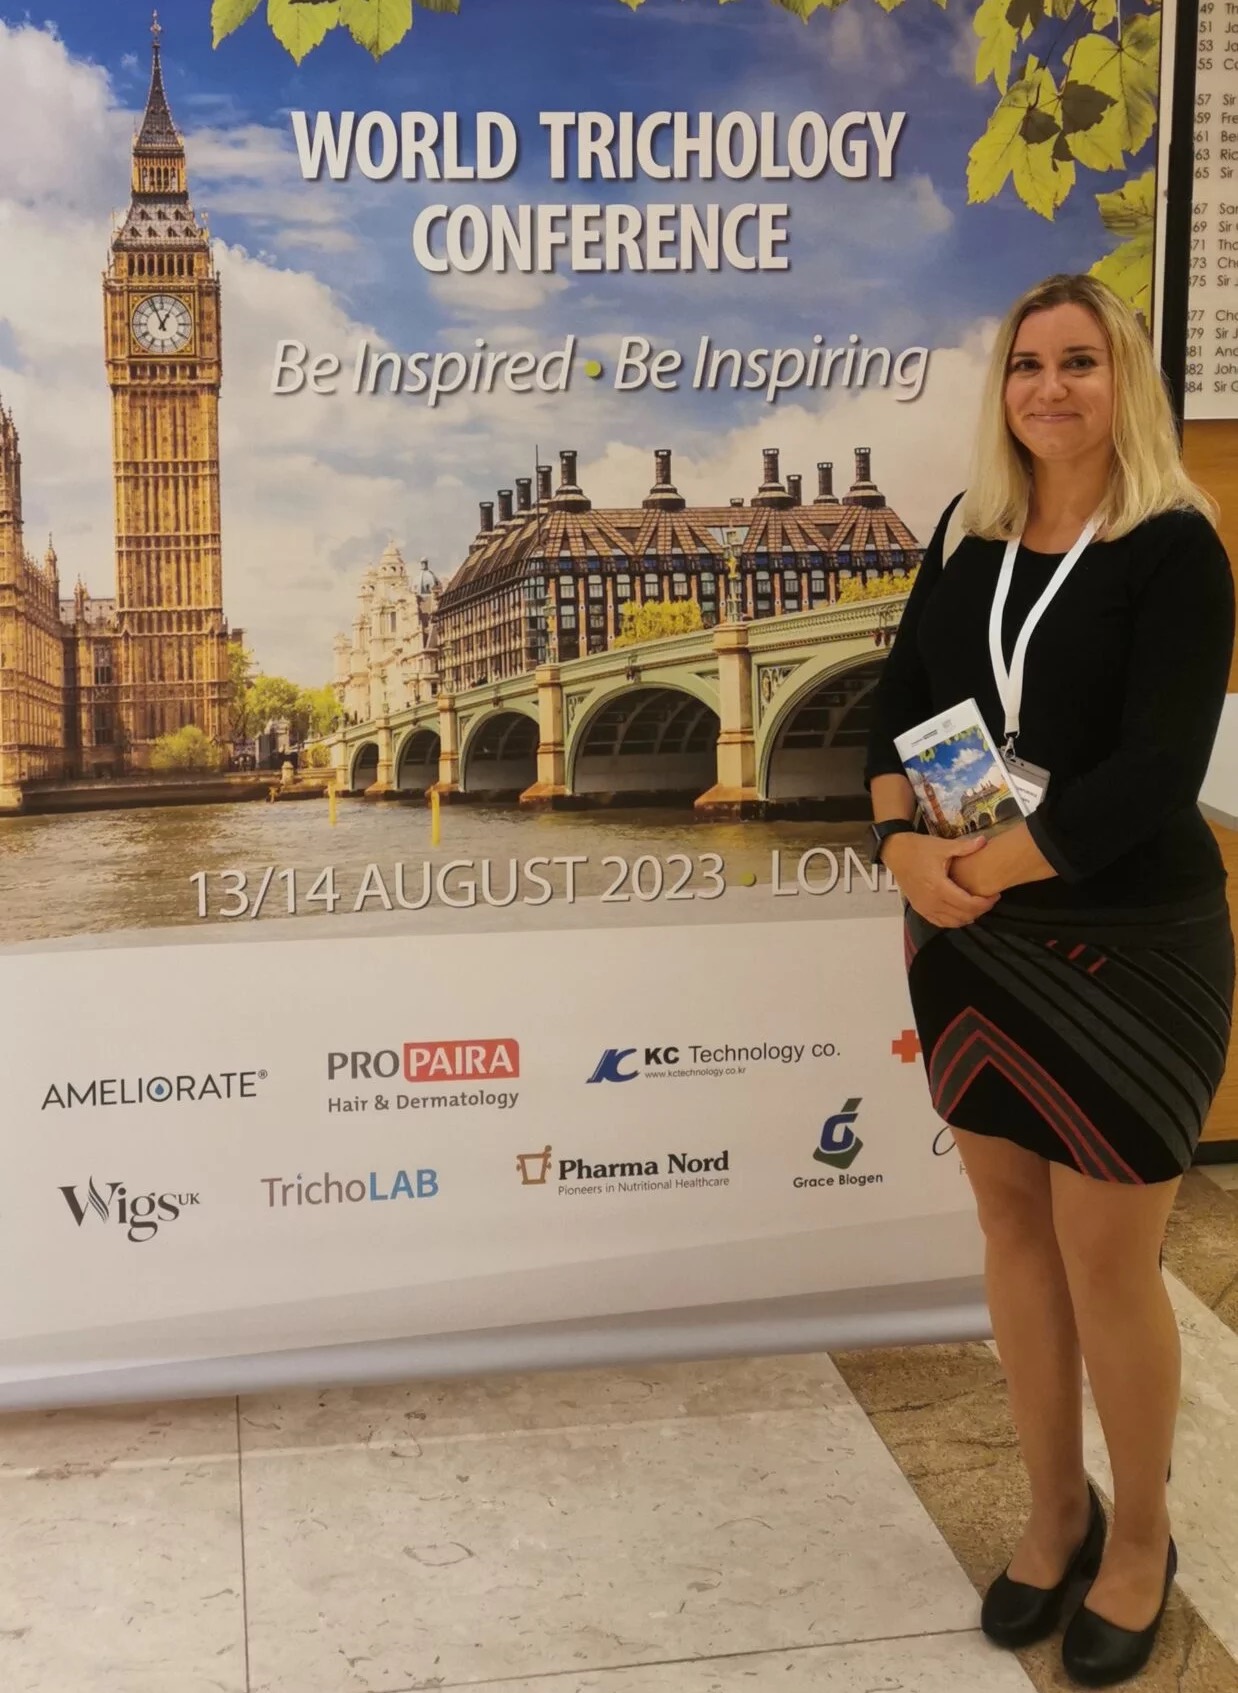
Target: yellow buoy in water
x=436 y=818
x=332 y=808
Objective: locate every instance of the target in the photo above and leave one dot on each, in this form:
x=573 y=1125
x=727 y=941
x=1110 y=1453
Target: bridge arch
x=416 y=760
x=653 y=739
x=363 y=767
x=498 y=752
x=812 y=743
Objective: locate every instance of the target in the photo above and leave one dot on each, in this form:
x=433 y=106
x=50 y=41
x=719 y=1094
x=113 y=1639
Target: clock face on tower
x=163 y=324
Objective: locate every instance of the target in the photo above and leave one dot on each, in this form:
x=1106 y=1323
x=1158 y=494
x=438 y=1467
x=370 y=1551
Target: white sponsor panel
x=421 y=1135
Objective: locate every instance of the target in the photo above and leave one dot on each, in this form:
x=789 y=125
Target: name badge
x=1029 y=781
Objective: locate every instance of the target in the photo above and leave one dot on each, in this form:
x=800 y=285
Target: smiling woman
x=1073 y=978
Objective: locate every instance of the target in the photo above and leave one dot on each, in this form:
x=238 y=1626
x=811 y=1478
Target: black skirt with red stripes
x=1094 y=1040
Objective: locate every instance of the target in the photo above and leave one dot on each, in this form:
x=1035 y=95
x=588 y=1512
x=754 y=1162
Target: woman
x=1072 y=974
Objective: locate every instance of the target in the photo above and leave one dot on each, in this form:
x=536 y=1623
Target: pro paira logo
x=838 y=1146
x=139 y=1215
x=430 y=1061
x=443 y=1075
x=217 y=1085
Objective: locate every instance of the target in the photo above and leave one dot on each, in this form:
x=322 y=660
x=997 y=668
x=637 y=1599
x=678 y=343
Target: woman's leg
x=1110 y=1238
x=1034 y=1326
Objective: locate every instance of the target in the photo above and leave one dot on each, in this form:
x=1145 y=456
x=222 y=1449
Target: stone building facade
x=390 y=659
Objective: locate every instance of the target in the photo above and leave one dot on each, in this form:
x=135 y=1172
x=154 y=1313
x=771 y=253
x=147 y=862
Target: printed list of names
x=1212 y=329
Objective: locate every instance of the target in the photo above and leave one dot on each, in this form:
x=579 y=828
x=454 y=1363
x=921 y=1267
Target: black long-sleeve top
x=1125 y=680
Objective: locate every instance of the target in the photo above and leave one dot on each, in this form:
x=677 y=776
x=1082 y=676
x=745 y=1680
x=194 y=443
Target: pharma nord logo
x=839 y=1145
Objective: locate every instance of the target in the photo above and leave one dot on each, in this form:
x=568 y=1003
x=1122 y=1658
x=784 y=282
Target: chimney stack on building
x=486 y=508
x=864 y=491
x=524 y=493
x=825 y=484
x=795 y=487
x=545 y=489
x=771 y=492
x=505 y=505
x=663 y=496
x=569 y=495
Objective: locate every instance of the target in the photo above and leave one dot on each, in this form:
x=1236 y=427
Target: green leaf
x=1127 y=70
x=301 y=27
x=1130 y=212
x=1061 y=9
x=1038 y=126
x=1128 y=271
x=998 y=40
x=1103 y=12
x=1131 y=209
x=1083 y=106
x=1024 y=15
x=1004 y=151
x=377 y=25
x=805 y=8
x=889 y=5
x=227 y=15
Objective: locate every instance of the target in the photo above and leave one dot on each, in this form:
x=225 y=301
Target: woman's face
x=1059 y=385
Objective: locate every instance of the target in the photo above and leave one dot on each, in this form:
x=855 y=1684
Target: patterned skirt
x=1094 y=1040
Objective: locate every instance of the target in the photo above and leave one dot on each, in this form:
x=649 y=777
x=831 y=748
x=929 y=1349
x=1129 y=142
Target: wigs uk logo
x=139 y=1215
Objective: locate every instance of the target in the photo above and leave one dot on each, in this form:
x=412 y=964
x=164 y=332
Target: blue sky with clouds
x=314 y=487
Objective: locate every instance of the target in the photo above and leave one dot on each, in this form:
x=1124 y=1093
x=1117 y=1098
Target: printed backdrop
x=444 y=565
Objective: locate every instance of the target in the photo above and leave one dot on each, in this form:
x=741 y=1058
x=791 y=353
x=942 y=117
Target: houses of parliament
x=88 y=685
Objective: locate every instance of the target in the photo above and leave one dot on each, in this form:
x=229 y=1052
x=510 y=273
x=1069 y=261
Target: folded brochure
x=957 y=773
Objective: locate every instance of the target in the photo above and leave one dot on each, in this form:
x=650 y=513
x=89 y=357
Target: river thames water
x=93 y=873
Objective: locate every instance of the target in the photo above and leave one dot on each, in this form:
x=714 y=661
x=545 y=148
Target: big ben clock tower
x=162 y=330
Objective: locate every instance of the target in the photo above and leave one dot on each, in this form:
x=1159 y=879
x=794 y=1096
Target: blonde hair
x=1147 y=476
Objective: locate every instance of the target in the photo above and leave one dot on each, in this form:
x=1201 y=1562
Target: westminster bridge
x=741 y=717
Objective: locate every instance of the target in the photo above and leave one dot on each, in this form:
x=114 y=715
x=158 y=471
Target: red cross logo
x=907 y=1047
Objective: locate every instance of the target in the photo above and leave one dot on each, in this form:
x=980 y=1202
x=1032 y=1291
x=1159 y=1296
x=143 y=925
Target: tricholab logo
x=839 y=1145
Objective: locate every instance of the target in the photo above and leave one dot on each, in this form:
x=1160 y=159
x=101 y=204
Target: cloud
x=463 y=294
x=61 y=132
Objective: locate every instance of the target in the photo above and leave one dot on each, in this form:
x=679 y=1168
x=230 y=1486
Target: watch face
x=163 y=324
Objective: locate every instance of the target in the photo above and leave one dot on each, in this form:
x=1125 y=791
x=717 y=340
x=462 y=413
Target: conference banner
x=462 y=464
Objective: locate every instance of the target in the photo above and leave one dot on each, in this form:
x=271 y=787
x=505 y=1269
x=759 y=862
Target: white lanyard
x=1010 y=681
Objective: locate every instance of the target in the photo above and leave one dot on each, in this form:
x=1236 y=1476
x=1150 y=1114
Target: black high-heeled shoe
x=1015 y=1613
x=1097 y=1653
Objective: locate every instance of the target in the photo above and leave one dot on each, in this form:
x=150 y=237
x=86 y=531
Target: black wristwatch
x=881 y=833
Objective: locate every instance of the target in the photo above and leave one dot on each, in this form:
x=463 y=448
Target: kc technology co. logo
x=839 y=1145
x=623 y=1064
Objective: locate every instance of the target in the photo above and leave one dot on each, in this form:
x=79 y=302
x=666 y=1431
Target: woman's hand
x=922 y=865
